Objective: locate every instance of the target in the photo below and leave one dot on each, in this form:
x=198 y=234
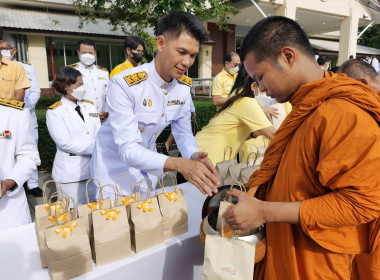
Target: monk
x=365 y=266
x=319 y=189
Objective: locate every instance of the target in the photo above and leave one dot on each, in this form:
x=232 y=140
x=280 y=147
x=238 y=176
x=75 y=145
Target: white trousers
x=33 y=181
x=77 y=190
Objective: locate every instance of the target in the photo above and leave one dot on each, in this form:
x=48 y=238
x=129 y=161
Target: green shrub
x=45 y=102
x=204 y=111
x=46 y=145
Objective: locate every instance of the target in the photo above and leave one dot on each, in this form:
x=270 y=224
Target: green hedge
x=46 y=145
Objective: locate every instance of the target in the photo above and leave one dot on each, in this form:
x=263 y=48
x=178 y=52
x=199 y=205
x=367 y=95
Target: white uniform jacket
x=75 y=139
x=19 y=159
x=95 y=80
x=137 y=115
x=32 y=94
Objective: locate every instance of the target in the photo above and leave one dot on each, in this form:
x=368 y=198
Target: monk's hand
x=236 y=217
x=270 y=112
x=203 y=157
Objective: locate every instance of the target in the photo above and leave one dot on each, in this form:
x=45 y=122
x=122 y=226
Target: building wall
x=37 y=57
x=224 y=42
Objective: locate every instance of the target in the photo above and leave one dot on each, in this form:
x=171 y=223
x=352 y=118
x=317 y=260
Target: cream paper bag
x=281 y=115
x=225 y=204
x=86 y=209
x=173 y=208
x=112 y=240
x=41 y=210
x=68 y=251
x=127 y=199
x=227 y=259
x=222 y=167
x=235 y=169
x=147 y=222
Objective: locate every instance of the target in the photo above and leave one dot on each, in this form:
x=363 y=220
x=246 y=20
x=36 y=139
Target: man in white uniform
x=32 y=95
x=19 y=159
x=95 y=77
x=143 y=100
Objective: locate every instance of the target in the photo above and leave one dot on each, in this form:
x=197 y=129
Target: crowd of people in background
x=107 y=124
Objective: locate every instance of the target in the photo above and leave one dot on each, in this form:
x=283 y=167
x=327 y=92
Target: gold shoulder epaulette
x=55 y=105
x=12 y=103
x=26 y=62
x=88 y=101
x=75 y=65
x=136 y=78
x=186 y=80
x=102 y=68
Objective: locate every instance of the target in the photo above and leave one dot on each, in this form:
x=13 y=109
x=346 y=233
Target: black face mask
x=137 y=57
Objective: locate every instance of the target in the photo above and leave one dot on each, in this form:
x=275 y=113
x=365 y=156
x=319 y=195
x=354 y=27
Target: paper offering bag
x=173 y=208
x=224 y=205
x=147 y=222
x=222 y=167
x=86 y=209
x=227 y=259
x=68 y=251
x=112 y=240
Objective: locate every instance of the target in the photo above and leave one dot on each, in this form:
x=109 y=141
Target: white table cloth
x=177 y=258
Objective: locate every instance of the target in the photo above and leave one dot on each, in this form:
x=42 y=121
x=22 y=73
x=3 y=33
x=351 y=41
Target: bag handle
x=161 y=180
x=100 y=194
x=242 y=188
x=62 y=198
x=57 y=186
x=67 y=209
x=88 y=181
x=226 y=149
x=254 y=160
x=130 y=181
x=148 y=183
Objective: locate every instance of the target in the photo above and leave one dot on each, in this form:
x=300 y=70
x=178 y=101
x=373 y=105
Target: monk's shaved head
x=361 y=71
x=267 y=37
x=357 y=69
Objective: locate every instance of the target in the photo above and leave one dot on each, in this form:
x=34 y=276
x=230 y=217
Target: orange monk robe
x=327 y=155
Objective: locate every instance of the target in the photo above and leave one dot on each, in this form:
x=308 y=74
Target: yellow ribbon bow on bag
x=111 y=213
x=65 y=229
x=94 y=205
x=61 y=217
x=172 y=195
x=128 y=200
x=53 y=207
x=145 y=205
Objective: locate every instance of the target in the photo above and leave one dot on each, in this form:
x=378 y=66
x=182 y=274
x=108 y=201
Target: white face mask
x=7 y=54
x=87 y=59
x=263 y=99
x=234 y=70
x=78 y=93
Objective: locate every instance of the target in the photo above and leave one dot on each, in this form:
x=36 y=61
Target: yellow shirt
x=121 y=67
x=12 y=77
x=222 y=84
x=231 y=128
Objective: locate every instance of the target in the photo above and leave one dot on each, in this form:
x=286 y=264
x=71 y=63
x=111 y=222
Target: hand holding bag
x=112 y=240
x=173 y=208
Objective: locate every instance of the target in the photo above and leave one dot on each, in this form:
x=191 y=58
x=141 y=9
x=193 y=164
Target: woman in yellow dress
x=239 y=119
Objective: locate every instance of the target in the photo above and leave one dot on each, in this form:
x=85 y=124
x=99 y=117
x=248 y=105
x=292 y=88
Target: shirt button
x=94 y=88
x=149 y=147
x=156 y=132
x=163 y=115
x=96 y=98
x=87 y=132
x=166 y=93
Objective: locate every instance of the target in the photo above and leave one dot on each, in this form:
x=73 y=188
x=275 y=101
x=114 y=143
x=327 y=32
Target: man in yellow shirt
x=223 y=82
x=134 y=48
x=13 y=78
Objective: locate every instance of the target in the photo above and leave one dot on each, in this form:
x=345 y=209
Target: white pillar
x=288 y=10
x=37 y=57
x=348 y=36
x=205 y=61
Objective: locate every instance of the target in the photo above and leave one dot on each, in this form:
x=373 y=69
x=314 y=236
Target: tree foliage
x=136 y=16
x=371 y=37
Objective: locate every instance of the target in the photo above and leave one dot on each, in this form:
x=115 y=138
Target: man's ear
x=78 y=53
x=288 y=54
x=161 y=42
x=14 y=51
x=364 y=81
x=254 y=88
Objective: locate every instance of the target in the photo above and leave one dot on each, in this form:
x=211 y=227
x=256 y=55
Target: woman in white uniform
x=73 y=124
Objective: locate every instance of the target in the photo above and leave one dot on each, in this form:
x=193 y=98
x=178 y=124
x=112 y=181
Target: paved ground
x=44 y=176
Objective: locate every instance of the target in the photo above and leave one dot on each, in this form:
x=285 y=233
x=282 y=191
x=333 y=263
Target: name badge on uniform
x=101 y=78
x=94 y=115
x=6 y=134
x=176 y=102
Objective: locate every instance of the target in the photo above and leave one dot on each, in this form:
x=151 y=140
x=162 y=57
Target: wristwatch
x=252 y=135
x=12 y=190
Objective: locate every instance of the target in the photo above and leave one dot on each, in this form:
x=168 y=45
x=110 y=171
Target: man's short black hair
x=133 y=42
x=228 y=57
x=323 y=59
x=267 y=37
x=87 y=42
x=176 y=22
x=1 y=34
x=357 y=69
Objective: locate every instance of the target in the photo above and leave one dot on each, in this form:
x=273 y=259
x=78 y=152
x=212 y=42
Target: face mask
x=78 y=93
x=87 y=59
x=137 y=57
x=263 y=99
x=7 y=54
x=234 y=70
